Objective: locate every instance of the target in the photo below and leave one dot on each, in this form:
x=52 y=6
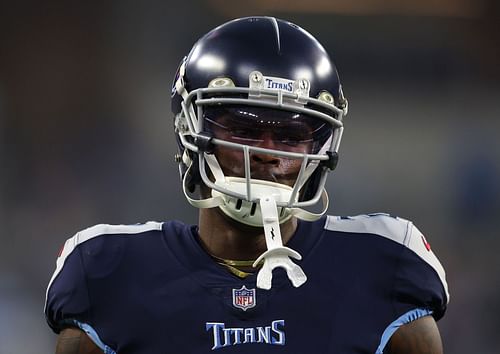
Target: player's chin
x=248 y=230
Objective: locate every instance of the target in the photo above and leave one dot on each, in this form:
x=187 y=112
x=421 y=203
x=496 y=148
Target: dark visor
x=268 y=128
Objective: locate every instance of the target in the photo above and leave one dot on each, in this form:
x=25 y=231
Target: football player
x=258 y=113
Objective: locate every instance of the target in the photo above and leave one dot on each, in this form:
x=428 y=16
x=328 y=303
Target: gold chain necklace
x=232 y=264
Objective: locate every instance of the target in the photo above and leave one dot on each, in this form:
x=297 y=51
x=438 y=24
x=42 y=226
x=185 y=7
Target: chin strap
x=310 y=216
x=276 y=255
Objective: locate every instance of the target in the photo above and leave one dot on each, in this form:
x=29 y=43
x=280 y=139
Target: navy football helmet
x=249 y=78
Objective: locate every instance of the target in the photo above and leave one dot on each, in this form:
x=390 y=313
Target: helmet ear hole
x=193 y=177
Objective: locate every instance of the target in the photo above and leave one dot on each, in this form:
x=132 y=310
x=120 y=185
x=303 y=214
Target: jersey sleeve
x=67 y=298
x=420 y=280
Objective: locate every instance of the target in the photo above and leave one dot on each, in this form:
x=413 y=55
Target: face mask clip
x=204 y=142
x=333 y=159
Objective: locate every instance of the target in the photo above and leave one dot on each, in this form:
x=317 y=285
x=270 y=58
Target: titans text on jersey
x=223 y=337
x=152 y=289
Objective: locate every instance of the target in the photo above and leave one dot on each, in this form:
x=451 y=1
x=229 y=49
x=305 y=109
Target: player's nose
x=265 y=141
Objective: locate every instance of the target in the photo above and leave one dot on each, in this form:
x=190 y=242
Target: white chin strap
x=263 y=213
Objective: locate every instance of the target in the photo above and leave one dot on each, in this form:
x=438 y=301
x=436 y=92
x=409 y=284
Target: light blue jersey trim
x=93 y=336
x=408 y=317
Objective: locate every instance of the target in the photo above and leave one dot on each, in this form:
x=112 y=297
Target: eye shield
x=255 y=126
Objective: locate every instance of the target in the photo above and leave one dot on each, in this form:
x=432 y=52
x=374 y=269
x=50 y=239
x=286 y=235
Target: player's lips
x=274 y=177
x=283 y=171
x=267 y=175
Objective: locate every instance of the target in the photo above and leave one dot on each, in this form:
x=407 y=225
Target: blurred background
x=86 y=134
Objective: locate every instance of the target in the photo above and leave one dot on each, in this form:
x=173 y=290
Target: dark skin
x=75 y=341
x=225 y=238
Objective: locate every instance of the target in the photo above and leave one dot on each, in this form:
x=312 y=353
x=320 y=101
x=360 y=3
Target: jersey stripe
x=277 y=32
x=94 y=231
x=408 y=317
x=92 y=334
x=393 y=228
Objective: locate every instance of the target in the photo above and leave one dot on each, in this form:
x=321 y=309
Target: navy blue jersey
x=152 y=289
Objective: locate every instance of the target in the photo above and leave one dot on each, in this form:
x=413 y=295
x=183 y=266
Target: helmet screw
x=219 y=82
x=256 y=77
x=326 y=97
x=303 y=84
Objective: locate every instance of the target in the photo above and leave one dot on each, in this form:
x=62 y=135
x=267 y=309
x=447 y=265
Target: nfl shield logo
x=244 y=298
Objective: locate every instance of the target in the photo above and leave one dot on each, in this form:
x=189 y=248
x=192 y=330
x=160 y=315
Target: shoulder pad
x=393 y=228
x=99 y=230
